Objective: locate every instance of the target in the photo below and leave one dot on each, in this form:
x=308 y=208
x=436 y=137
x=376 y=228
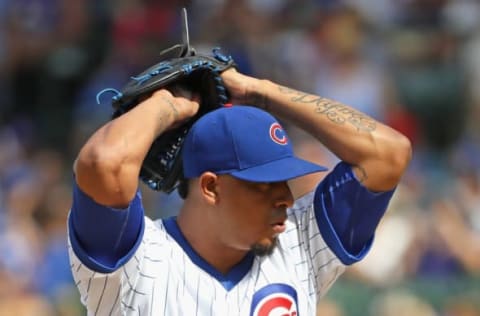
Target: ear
x=208 y=187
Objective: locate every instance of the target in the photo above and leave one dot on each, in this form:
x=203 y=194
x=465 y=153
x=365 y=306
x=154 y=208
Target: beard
x=264 y=250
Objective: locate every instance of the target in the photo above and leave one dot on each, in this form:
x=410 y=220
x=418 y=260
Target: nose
x=284 y=198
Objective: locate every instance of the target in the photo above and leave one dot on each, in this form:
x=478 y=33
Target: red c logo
x=275 y=299
x=277 y=134
x=281 y=306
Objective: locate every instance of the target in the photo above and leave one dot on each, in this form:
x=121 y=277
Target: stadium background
x=414 y=64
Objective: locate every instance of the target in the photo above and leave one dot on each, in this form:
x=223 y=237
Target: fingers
x=238 y=85
x=180 y=108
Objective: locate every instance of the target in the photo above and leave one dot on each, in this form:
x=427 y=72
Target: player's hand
x=243 y=89
x=182 y=104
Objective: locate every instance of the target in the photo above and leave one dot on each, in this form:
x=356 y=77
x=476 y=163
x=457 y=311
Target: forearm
x=378 y=153
x=108 y=165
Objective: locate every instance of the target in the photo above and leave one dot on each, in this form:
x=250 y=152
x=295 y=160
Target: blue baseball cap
x=245 y=142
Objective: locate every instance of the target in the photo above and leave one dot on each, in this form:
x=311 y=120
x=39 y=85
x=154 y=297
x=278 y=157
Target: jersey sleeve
x=312 y=242
x=126 y=290
x=104 y=238
x=348 y=214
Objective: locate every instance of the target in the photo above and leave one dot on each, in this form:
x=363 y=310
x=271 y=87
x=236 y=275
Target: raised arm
x=379 y=154
x=108 y=165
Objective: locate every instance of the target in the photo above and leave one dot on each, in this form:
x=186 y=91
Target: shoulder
x=155 y=231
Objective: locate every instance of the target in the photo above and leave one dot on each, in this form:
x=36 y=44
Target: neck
x=203 y=236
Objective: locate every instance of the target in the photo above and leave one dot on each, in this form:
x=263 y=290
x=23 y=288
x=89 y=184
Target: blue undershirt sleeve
x=104 y=238
x=348 y=213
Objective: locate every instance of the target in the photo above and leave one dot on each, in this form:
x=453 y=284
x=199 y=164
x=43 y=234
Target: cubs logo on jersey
x=275 y=300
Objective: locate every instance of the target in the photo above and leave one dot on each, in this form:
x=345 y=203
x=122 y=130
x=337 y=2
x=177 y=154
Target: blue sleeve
x=104 y=238
x=348 y=213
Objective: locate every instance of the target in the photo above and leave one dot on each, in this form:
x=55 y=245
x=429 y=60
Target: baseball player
x=241 y=244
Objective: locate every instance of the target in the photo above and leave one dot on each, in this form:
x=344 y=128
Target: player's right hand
x=181 y=103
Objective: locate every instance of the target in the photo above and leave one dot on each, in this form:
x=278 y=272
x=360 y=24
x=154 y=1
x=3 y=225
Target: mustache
x=279 y=212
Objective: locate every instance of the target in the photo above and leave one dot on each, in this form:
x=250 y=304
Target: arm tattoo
x=361 y=174
x=174 y=109
x=336 y=112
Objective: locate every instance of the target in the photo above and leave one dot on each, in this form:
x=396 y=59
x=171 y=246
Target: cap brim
x=278 y=170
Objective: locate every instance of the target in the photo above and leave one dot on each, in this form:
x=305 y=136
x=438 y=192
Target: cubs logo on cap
x=276 y=299
x=277 y=134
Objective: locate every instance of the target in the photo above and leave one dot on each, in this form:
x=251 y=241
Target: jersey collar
x=228 y=280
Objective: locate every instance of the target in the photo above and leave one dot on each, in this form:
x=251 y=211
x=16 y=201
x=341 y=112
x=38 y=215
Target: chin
x=264 y=248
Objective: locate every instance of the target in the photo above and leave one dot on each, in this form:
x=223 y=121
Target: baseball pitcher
x=241 y=244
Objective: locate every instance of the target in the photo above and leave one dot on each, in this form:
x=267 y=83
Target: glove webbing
x=187 y=69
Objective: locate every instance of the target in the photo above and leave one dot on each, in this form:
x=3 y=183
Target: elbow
x=403 y=154
x=398 y=158
x=95 y=163
x=101 y=174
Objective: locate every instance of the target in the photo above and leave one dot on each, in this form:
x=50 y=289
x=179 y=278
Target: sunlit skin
x=224 y=218
x=252 y=214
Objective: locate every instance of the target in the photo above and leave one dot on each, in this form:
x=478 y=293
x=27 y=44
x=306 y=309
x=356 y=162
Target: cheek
x=246 y=216
x=243 y=223
x=253 y=224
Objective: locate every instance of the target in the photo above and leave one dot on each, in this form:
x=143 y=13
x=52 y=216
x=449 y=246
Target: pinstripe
x=319 y=251
x=134 y=290
x=116 y=300
x=297 y=245
x=143 y=275
x=314 y=271
x=128 y=306
x=327 y=263
x=316 y=235
x=264 y=275
x=152 y=300
x=135 y=256
x=152 y=259
x=88 y=284
x=101 y=295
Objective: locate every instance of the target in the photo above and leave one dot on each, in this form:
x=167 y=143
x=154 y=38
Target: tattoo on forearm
x=174 y=109
x=361 y=173
x=287 y=90
x=336 y=112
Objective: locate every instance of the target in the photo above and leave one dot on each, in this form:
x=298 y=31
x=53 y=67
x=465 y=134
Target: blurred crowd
x=413 y=64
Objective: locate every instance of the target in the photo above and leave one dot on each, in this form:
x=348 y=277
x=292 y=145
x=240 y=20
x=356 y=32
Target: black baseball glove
x=200 y=74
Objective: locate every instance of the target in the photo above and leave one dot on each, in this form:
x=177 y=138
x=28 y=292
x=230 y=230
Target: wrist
x=257 y=94
x=175 y=110
x=163 y=109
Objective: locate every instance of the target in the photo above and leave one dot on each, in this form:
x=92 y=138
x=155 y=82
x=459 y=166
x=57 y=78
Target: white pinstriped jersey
x=162 y=279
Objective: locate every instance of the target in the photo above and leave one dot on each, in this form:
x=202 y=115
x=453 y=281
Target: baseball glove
x=162 y=168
